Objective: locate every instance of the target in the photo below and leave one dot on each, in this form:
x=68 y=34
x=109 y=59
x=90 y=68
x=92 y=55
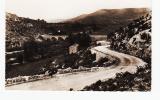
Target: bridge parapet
x=99 y=54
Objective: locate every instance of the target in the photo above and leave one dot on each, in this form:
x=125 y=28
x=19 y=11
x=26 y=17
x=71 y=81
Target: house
x=73 y=48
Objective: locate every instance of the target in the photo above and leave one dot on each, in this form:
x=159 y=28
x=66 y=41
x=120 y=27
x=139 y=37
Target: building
x=73 y=48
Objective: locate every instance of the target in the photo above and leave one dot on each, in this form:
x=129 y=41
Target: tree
x=30 y=50
x=82 y=39
x=70 y=60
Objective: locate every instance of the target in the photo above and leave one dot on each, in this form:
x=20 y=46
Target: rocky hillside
x=19 y=29
x=134 y=39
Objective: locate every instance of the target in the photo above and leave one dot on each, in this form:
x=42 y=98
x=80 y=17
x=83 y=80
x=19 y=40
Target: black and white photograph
x=78 y=45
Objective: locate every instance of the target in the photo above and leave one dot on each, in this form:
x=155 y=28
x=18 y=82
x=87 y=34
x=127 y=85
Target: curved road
x=79 y=80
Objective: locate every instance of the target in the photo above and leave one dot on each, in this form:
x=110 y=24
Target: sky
x=65 y=9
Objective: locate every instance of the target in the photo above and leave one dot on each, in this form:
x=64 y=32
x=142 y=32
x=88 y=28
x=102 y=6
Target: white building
x=73 y=48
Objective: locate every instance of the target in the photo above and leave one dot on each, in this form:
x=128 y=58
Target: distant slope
x=108 y=20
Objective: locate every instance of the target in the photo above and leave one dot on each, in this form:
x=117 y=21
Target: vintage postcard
x=78 y=45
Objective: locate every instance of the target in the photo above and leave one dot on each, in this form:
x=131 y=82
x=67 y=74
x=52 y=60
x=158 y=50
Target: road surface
x=79 y=80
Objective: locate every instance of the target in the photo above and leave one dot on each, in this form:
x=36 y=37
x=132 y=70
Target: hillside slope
x=134 y=39
x=108 y=20
x=19 y=29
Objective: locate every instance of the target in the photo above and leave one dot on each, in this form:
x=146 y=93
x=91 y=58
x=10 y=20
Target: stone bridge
x=98 y=53
x=60 y=36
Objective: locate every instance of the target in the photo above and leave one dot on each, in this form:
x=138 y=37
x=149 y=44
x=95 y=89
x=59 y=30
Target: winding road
x=78 y=80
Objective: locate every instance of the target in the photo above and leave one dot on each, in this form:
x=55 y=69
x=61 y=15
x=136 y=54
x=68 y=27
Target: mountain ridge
x=108 y=20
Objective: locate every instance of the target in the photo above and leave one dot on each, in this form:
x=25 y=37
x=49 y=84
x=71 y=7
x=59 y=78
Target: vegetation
x=104 y=21
x=134 y=39
x=26 y=34
x=124 y=41
x=83 y=39
x=139 y=81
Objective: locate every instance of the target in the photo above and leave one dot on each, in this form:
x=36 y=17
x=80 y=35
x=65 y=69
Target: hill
x=19 y=29
x=104 y=21
x=107 y=20
x=134 y=39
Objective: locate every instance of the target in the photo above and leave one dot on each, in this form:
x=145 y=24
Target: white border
x=156 y=46
x=2 y=45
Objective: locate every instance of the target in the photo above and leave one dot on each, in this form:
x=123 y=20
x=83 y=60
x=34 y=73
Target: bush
x=139 y=81
x=83 y=39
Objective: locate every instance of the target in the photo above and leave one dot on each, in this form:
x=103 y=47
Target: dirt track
x=79 y=80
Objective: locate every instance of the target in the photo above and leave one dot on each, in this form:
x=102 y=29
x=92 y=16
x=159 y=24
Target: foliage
x=83 y=39
x=139 y=81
